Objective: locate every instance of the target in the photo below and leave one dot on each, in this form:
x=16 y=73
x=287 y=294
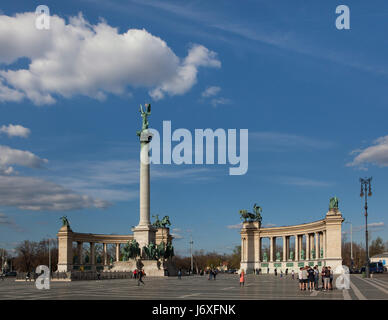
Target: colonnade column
x=79 y=250
x=316 y=246
x=92 y=254
x=259 y=249
x=307 y=246
x=320 y=242
x=324 y=243
x=117 y=251
x=105 y=255
x=271 y=241
x=284 y=249
x=296 y=247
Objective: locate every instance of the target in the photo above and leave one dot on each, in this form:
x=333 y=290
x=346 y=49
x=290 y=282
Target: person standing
x=242 y=278
x=305 y=278
x=293 y=275
x=214 y=274
x=311 y=278
x=180 y=274
x=326 y=279
x=331 y=277
x=316 y=278
x=300 y=277
x=276 y=271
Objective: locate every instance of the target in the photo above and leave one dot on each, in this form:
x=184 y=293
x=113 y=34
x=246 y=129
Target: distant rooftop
x=381 y=255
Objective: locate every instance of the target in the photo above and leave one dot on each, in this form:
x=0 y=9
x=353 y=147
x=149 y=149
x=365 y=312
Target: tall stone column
x=307 y=246
x=144 y=233
x=259 y=249
x=65 y=249
x=296 y=247
x=284 y=248
x=271 y=242
x=117 y=251
x=316 y=246
x=320 y=243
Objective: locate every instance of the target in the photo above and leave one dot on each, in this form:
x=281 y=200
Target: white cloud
x=15 y=131
x=303 y=182
x=210 y=91
x=235 y=226
x=78 y=58
x=282 y=141
x=6 y=221
x=216 y=101
x=36 y=194
x=9 y=156
x=375 y=154
x=372 y=226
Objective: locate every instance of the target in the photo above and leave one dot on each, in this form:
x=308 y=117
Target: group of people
x=139 y=274
x=212 y=274
x=309 y=278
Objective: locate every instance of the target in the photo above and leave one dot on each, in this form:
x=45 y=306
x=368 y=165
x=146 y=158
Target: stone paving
x=226 y=287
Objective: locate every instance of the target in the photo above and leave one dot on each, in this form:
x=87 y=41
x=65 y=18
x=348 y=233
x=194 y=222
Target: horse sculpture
x=131 y=250
x=252 y=217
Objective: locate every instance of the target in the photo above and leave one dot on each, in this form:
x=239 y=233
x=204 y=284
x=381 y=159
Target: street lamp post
x=351 y=243
x=366 y=190
x=191 y=252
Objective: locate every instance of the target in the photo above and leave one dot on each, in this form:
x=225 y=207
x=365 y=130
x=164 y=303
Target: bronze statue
x=161 y=223
x=278 y=256
x=131 y=250
x=252 y=217
x=65 y=221
x=150 y=251
x=333 y=205
x=291 y=255
x=165 y=222
x=144 y=115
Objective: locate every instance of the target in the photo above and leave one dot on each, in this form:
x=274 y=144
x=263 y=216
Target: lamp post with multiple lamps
x=366 y=190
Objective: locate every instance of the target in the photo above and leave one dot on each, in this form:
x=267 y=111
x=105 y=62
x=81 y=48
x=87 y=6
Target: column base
x=63 y=267
x=144 y=235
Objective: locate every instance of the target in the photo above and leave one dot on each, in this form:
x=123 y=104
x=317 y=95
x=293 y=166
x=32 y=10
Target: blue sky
x=313 y=98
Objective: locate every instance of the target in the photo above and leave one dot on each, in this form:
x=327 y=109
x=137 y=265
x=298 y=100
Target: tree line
x=29 y=254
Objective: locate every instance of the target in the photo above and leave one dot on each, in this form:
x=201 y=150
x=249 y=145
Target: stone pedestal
x=65 y=249
x=144 y=235
x=152 y=268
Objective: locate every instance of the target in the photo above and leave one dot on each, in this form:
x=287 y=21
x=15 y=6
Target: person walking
x=276 y=271
x=140 y=277
x=293 y=275
x=214 y=274
x=323 y=277
x=242 y=278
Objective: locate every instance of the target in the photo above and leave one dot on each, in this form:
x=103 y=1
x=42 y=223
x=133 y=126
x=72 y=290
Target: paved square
x=194 y=287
